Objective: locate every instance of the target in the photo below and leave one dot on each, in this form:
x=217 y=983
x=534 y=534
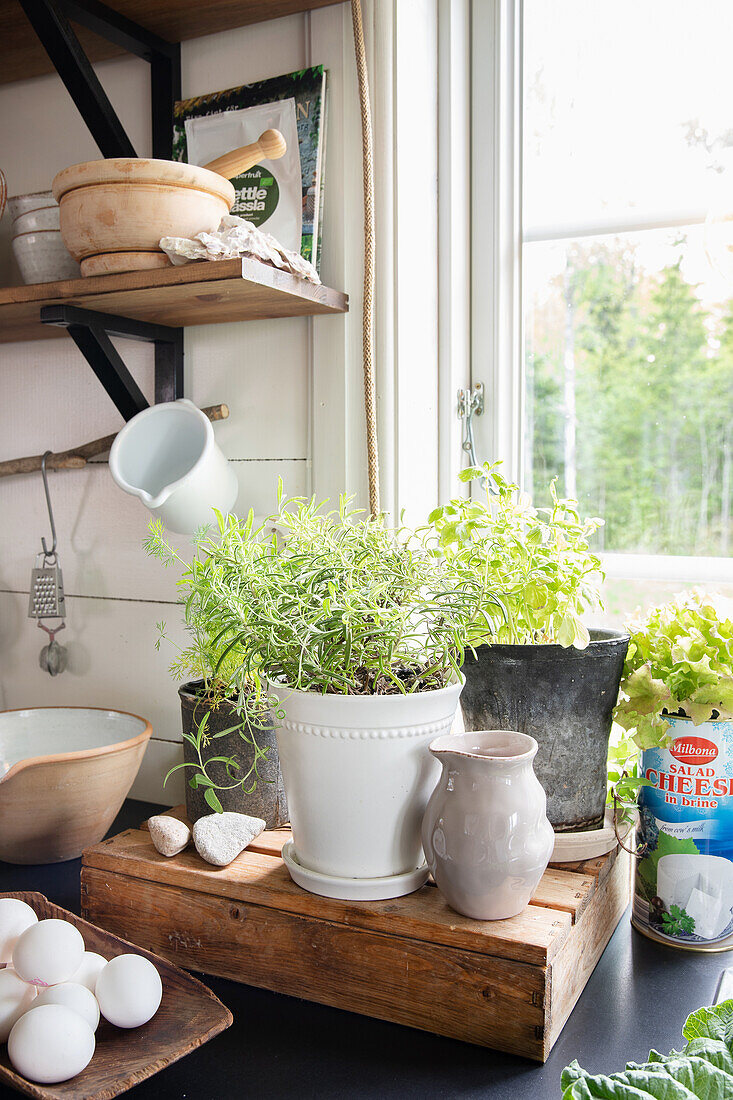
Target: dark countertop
x=638 y=997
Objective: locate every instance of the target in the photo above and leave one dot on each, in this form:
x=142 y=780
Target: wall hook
x=46 y=552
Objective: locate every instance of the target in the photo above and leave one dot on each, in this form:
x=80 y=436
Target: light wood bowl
x=67 y=771
x=114 y=212
x=126 y=205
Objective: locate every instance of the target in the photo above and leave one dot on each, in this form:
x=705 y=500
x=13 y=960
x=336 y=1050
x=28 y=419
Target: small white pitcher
x=485 y=834
x=168 y=457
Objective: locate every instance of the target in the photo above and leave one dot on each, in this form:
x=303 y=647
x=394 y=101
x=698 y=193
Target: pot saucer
x=572 y=847
x=352 y=889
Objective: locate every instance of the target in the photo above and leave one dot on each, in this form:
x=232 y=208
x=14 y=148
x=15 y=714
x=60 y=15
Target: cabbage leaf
x=702 y=1071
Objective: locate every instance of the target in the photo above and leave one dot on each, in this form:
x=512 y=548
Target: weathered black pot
x=564 y=698
x=267 y=800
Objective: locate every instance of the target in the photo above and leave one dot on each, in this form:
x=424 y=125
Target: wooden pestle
x=270 y=145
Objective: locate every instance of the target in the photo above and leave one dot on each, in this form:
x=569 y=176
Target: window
x=627 y=280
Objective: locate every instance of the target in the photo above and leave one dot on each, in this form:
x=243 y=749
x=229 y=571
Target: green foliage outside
x=651 y=374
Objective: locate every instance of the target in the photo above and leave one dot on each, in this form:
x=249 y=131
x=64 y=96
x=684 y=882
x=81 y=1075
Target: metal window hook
x=46 y=552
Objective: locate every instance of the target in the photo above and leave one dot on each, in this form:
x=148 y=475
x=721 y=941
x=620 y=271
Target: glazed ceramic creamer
x=485 y=834
x=167 y=457
x=684 y=881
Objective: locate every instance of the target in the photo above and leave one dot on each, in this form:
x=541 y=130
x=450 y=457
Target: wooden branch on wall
x=77 y=457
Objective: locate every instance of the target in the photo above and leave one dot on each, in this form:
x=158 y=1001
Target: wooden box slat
x=534 y=936
x=504 y=984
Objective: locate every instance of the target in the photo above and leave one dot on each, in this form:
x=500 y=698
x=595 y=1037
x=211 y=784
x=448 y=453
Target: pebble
x=219 y=838
x=169 y=835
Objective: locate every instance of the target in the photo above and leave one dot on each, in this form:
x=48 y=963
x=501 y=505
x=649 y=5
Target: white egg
x=88 y=972
x=76 y=997
x=16 y=997
x=50 y=1044
x=48 y=952
x=15 y=917
x=129 y=991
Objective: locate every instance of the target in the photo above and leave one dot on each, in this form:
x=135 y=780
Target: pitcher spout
x=505 y=747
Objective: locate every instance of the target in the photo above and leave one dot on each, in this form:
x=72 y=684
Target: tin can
x=683 y=890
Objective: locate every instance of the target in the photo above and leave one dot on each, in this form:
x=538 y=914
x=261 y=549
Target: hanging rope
x=370 y=401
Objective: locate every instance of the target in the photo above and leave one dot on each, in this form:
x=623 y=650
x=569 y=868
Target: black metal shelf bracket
x=91 y=332
x=51 y=20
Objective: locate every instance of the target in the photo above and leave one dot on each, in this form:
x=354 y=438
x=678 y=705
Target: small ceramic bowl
x=23 y=204
x=43 y=257
x=35 y=221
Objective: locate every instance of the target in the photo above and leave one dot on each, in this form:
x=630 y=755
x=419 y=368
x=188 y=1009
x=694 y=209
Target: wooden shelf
x=205 y=293
x=22 y=56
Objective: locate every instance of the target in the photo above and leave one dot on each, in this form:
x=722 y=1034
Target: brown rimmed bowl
x=64 y=774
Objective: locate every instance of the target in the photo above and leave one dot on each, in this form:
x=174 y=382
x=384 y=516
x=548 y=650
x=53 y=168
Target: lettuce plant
x=704 y=1069
x=535 y=562
x=679 y=662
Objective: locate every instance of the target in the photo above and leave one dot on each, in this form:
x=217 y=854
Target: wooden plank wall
x=50 y=399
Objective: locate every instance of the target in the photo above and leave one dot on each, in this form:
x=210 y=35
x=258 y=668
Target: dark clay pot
x=267 y=800
x=564 y=698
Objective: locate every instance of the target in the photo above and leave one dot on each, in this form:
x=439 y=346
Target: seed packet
x=307 y=88
x=269 y=193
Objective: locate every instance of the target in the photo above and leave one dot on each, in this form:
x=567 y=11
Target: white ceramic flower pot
x=358 y=774
x=168 y=457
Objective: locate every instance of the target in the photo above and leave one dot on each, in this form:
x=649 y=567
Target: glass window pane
x=627 y=105
x=629 y=335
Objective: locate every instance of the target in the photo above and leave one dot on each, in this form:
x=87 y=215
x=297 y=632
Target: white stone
x=169 y=835
x=219 y=838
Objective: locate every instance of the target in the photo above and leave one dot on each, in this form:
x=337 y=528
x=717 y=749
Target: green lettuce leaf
x=711 y=1023
x=703 y=1071
x=680 y=658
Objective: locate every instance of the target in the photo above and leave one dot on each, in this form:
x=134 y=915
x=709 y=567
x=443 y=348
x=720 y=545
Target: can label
x=684 y=884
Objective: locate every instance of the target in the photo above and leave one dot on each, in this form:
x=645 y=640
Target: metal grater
x=47 y=592
x=47 y=595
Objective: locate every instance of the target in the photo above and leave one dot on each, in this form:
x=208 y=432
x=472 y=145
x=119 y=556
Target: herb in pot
x=675 y=706
x=537 y=561
x=536 y=666
x=217 y=704
x=331 y=602
x=352 y=631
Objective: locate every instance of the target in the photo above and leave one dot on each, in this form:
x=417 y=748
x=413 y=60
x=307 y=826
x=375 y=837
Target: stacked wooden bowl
x=114 y=212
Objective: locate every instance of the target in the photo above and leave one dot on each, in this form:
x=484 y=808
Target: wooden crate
x=510 y=985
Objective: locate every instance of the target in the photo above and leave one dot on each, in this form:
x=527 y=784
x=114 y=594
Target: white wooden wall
x=265 y=371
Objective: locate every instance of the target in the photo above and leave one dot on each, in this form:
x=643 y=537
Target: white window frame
x=497 y=354
x=496 y=212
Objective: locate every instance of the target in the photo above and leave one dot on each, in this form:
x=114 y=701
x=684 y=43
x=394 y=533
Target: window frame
x=497 y=240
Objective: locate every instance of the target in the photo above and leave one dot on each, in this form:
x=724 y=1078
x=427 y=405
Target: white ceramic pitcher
x=485 y=834
x=168 y=457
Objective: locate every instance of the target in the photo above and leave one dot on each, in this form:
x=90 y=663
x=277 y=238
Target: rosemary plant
x=320 y=600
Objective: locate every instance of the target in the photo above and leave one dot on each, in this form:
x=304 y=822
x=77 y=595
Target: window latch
x=470 y=404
